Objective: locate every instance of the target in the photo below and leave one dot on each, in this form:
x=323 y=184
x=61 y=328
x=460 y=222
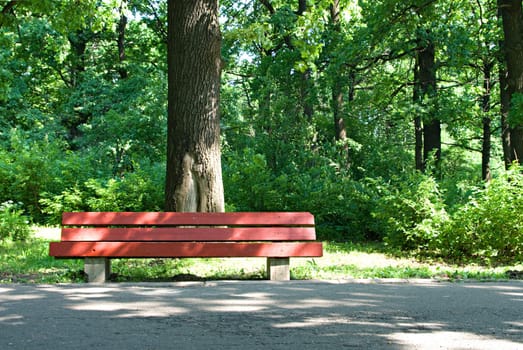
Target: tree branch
x=268 y=6
x=468 y=148
x=9 y=6
x=159 y=23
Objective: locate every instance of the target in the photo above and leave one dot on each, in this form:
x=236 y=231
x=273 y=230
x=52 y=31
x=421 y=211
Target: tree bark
x=432 y=125
x=78 y=41
x=122 y=24
x=9 y=6
x=336 y=88
x=418 y=147
x=505 y=107
x=194 y=176
x=512 y=18
x=486 y=146
x=425 y=88
x=306 y=77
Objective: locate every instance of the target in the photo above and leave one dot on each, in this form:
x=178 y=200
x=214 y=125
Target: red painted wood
x=192 y=219
x=183 y=249
x=189 y=234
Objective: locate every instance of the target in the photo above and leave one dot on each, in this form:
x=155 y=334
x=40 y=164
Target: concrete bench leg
x=98 y=270
x=278 y=269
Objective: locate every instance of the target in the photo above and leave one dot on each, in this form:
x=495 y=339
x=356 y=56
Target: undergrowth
x=29 y=262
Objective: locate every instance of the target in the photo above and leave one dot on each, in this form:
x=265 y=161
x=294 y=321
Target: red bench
x=99 y=236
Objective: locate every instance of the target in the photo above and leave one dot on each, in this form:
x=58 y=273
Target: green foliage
x=141 y=190
x=342 y=207
x=14 y=225
x=489 y=228
x=30 y=168
x=411 y=212
x=76 y=134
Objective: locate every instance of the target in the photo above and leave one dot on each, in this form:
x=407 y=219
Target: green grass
x=28 y=262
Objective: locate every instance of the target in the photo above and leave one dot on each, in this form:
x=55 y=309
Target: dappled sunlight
x=276 y=314
x=314 y=322
x=515 y=294
x=80 y=290
x=132 y=309
x=330 y=303
x=156 y=304
x=516 y=324
x=13 y=319
x=499 y=287
x=19 y=297
x=451 y=340
x=229 y=305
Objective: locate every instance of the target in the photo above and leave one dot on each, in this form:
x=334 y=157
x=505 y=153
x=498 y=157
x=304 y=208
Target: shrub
x=13 y=223
x=141 y=190
x=411 y=212
x=341 y=206
x=490 y=227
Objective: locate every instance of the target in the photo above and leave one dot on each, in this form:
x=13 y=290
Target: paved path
x=263 y=315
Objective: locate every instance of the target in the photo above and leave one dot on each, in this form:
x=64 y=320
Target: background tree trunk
x=337 y=87
x=486 y=145
x=505 y=107
x=512 y=16
x=428 y=126
x=122 y=24
x=194 y=177
x=431 y=124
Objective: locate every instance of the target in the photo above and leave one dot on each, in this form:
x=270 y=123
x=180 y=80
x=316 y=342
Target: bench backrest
x=173 y=226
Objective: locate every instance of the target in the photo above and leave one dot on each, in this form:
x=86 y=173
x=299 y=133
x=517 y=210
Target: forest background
x=385 y=119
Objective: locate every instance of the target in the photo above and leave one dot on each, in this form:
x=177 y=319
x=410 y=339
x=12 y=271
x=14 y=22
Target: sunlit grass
x=29 y=262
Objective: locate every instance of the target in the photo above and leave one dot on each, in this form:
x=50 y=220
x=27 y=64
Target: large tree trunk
x=194 y=177
x=512 y=16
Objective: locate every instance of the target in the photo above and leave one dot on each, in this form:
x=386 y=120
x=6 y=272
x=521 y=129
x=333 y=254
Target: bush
x=141 y=190
x=341 y=206
x=30 y=168
x=411 y=213
x=13 y=223
x=490 y=227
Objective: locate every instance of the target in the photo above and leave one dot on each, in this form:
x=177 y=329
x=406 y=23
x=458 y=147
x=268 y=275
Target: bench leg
x=278 y=269
x=97 y=270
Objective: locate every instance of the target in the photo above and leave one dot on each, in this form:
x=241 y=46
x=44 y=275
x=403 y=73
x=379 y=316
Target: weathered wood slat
x=189 y=234
x=184 y=249
x=189 y=219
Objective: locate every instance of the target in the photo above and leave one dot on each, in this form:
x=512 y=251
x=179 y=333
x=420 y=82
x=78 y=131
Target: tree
x=425 y=89
x=194 y=177
x=512 y=17
x=337 y=93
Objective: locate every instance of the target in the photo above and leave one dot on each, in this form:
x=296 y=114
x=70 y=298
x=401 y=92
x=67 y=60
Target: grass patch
x=29 y=262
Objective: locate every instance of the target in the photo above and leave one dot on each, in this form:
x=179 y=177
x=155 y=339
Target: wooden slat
x=189 y=219
x=189 y=234
x=183 y=249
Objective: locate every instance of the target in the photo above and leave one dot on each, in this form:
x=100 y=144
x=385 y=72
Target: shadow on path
x=263 y=315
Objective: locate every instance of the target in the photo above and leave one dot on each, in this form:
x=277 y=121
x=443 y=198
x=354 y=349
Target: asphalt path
x=251 y=315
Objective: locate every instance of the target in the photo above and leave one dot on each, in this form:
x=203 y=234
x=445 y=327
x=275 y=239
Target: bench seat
x=100 y=236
